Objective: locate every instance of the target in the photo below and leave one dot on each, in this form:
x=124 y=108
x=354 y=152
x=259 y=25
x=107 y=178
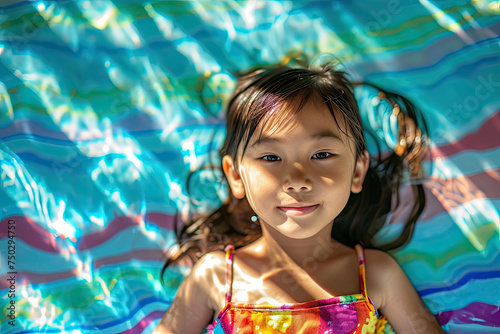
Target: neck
x=305 y=252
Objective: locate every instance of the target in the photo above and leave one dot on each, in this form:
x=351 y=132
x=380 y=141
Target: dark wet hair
x=286 y=90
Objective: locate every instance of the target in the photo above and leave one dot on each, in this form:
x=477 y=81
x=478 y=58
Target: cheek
x=336 y=178
x=260 y=181
x=329 y=174
x=348 y=174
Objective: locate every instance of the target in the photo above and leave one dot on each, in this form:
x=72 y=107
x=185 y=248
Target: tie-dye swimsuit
x=336 y=315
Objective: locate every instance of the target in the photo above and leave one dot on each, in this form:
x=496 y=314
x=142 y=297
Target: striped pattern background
x=111 y=114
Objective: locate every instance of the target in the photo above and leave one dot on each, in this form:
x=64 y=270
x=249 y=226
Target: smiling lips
x=298 y=210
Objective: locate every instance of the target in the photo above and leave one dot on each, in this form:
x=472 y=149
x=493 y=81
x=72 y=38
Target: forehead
x=314 y=117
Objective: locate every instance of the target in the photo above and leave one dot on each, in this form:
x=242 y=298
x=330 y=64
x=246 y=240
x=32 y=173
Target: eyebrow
x=320 y=135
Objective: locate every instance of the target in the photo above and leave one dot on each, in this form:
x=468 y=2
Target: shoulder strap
x=362 y=279
x=229 y=272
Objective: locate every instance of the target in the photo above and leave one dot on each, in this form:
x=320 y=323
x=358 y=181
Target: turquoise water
x=112 y=112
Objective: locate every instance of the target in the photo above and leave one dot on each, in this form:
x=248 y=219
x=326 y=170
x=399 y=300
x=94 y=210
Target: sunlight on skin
x=248 y=286
x=208 y=266
x=219 y=285
x=244 y=177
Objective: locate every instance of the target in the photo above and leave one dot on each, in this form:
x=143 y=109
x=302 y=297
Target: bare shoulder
x=379 y=260
x=209 y=263
x=196 y=299
x=395 y=297
x=380 y=264
x=209 y=271
x=382 y=272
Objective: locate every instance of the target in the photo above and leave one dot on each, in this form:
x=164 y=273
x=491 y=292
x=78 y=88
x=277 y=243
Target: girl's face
x=298 y=179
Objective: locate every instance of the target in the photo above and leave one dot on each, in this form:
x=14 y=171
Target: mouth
x=298 y=210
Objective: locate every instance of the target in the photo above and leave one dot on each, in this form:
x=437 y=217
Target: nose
x=297 y=179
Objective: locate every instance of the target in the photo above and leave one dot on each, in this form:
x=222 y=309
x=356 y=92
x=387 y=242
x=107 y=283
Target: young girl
x=296 y=153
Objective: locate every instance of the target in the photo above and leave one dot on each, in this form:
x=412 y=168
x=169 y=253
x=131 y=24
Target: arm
x=399 y=301
x=190 y=311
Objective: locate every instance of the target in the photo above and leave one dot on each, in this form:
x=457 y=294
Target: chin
x=295 y=231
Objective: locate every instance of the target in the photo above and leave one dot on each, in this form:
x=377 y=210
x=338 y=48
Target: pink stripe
x=484 y=139
x=24 y=278
x=120 y=223
x=39 y=237
x=31 y=233
x=141 y=325
x=37 y=278
x=476 y=313
x=443 y=195
x=161 y=220
x=143 y=255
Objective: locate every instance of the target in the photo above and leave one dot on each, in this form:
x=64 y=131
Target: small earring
x=254 y=218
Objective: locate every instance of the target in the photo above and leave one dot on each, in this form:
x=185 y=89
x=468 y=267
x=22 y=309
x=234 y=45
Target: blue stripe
x=462 y=281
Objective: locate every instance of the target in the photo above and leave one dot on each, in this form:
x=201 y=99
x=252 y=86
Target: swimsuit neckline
x=357 y=297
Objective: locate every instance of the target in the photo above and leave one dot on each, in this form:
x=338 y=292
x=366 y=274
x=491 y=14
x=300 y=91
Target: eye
x=322 y=155
x=270 y=157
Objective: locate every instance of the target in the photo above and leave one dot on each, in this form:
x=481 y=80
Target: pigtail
x=367 y=212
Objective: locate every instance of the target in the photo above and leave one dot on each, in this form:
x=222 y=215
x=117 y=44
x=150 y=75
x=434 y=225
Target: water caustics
x=112 y=114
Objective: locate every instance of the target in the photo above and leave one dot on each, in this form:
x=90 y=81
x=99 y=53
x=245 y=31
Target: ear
x=233 y=178
x=362 y=165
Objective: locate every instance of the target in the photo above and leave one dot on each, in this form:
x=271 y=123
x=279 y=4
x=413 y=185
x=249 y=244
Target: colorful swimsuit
x=336 y=315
